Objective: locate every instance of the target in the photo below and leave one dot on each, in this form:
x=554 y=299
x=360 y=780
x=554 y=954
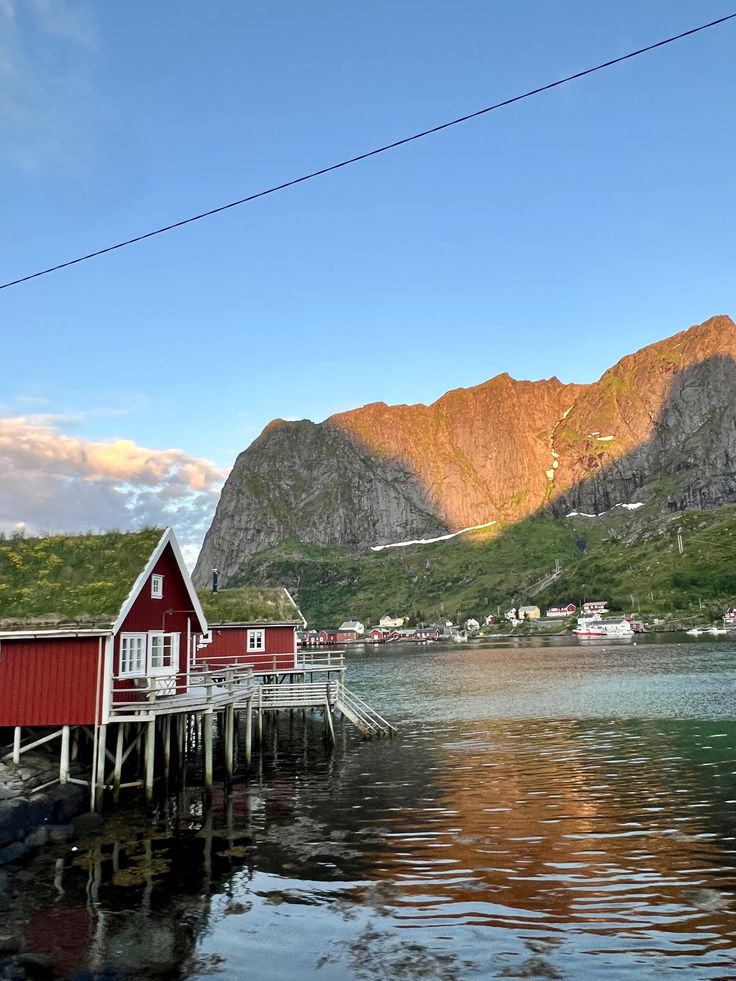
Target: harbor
x=548 y=806
x=123 y=695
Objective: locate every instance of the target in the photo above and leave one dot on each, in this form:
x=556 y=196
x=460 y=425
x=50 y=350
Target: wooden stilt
x=181 y=743
x=100 y=776
x=75 y=744
x=117 y=773
x=248 y=731
x=64 y=755
x=229 y=740
x=16 y=745
x=329 y=728
x=150 y=759
x=207 y=727
x=166 y=740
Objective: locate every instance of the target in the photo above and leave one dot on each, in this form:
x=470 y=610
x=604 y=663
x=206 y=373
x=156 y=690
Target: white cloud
x=53 y=481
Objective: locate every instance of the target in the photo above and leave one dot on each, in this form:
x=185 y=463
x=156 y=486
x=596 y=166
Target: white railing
x=294 y=696
x=261 y=663
x=198 y=688
x=321 y=660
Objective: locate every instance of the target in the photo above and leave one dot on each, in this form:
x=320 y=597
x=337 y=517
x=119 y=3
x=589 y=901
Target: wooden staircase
x=363 y=717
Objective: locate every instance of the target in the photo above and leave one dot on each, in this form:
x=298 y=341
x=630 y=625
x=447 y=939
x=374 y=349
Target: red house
x=90 y=621
x=563 y=610
x=252 y=627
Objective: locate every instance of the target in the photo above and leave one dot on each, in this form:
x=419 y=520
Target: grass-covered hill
x=71 y=577
x=629 y=558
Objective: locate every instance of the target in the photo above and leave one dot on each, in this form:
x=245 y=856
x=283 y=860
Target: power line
x=370 y=153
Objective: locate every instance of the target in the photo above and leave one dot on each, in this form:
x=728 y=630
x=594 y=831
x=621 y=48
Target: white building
x=595 y=606
x=355 y=625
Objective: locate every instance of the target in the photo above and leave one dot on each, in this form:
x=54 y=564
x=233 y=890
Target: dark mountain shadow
x=692 y=446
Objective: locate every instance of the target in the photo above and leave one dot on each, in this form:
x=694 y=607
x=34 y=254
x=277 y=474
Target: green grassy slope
x=616 y=557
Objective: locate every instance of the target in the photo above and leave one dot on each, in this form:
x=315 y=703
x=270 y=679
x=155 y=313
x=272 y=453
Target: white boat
x=701 y=631
x=594 y=626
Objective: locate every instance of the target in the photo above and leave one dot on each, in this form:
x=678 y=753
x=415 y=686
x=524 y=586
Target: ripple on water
x=559 y=813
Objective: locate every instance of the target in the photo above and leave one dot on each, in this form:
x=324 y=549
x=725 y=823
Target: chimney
x=214 y=580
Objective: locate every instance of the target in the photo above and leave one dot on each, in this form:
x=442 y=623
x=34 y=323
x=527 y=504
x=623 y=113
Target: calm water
x=548 y=812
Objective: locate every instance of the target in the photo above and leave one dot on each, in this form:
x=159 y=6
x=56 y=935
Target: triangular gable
x=168 y=538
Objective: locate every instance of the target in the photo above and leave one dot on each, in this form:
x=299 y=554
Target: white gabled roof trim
x=168 y=538
x=293 y=603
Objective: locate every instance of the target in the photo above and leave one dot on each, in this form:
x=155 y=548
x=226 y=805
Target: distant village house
x=564 y=610
x=595 y=606
x=354 y=625
x=529 y=613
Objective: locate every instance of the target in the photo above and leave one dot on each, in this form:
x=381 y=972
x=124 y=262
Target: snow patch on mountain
x=430 y=541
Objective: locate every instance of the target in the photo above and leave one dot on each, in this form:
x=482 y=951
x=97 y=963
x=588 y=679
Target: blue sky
x=551 y=237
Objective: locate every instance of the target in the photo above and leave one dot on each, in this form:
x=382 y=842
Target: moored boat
x=596 y=627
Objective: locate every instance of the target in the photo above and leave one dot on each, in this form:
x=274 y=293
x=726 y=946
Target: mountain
x=664 y=417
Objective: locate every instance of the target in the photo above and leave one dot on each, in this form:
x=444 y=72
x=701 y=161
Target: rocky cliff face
x=665 y=412
x=318 y=485
x=496 y=452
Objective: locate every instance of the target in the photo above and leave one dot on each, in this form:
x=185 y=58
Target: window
x=163 y=651
x=256 y=640
x=152 y=653
x=132 y=654
x=157 y=587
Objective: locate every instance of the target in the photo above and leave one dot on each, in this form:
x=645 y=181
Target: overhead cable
x=369 y=153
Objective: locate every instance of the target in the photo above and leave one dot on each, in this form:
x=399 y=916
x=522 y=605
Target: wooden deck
x=238 y=687
x=200 y=691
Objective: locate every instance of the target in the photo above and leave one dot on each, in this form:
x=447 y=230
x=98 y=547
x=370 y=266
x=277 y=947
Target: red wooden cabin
x=332 y=637
x=251 y=627
x=100 y=636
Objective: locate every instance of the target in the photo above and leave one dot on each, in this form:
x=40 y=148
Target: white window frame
x=157 y=587
x=255 y=641
x=173 y=642
x=129 y=668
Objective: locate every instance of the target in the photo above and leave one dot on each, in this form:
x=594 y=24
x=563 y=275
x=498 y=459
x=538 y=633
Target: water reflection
x=132 y=893
x=485 y=841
